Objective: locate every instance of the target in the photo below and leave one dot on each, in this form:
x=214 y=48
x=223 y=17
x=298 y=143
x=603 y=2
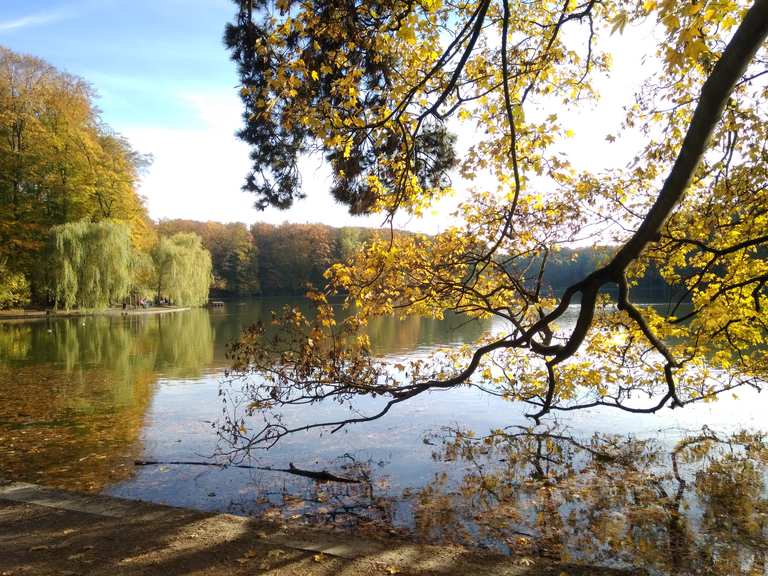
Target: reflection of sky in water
x=156 y=380
x=178 y=428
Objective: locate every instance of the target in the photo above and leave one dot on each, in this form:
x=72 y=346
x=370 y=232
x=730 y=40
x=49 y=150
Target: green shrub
x=14 y=288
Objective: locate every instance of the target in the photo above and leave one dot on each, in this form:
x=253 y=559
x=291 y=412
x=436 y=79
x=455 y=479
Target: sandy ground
x=55 y=533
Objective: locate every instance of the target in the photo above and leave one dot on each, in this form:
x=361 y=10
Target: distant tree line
x=266 y=259
x=74 y=233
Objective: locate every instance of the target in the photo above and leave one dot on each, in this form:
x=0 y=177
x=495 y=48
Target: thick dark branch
x=551 y=385
x=445 y=57
x=563 y=19
x=462 y=61
x=508 y=107
x=748 y=38
x=634 y=313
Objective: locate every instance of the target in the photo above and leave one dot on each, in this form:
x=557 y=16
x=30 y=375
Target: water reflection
x=698 y=507
x=181 y=343
x=74 y=392
x=81 y=399
x=392 y=336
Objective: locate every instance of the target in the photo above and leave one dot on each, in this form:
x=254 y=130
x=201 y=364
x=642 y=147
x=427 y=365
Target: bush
x=14 y=288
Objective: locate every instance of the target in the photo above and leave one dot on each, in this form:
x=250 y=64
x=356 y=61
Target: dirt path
x=56 y=533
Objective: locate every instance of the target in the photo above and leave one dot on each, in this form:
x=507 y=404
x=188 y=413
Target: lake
x=83 y=399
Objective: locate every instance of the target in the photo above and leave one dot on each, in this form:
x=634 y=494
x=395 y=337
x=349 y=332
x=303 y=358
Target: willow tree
x=90 y=264
x=374 y=86
x=182 y=269
x=234 y=254
x=59 y=162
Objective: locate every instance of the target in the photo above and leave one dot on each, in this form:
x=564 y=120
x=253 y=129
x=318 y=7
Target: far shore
x=21 y=314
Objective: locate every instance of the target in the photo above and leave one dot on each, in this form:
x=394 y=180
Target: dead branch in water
x=321 y=476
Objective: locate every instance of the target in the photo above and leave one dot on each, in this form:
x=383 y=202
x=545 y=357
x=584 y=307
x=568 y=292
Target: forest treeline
x=269 y=260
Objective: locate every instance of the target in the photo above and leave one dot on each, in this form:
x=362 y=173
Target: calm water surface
x=82 y=399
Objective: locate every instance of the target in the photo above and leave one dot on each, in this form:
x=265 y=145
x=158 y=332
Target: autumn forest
x=69 y=185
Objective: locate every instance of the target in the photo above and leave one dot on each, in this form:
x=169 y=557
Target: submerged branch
x=321 y=476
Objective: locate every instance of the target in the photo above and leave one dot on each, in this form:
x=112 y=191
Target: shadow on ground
x=84 y=535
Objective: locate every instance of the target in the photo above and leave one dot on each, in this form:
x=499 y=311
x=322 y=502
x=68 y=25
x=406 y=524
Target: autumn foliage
x=378 y=86
x=74 y=231
x=59 y=163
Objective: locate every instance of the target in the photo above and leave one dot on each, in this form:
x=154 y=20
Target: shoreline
x=47 y=531
x=49 y=314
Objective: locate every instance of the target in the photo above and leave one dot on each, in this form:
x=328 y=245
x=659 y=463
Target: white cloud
x=197 y=173
x=32 y=20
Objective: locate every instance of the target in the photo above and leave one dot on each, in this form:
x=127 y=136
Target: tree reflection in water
x=697 y=508
x=365 y=507
x=74 y=392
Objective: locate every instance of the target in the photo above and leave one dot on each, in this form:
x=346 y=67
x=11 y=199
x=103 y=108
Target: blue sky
x=139 y=54
x=164 y=81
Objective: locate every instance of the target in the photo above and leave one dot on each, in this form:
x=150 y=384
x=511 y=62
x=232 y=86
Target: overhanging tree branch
x=425 y=281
